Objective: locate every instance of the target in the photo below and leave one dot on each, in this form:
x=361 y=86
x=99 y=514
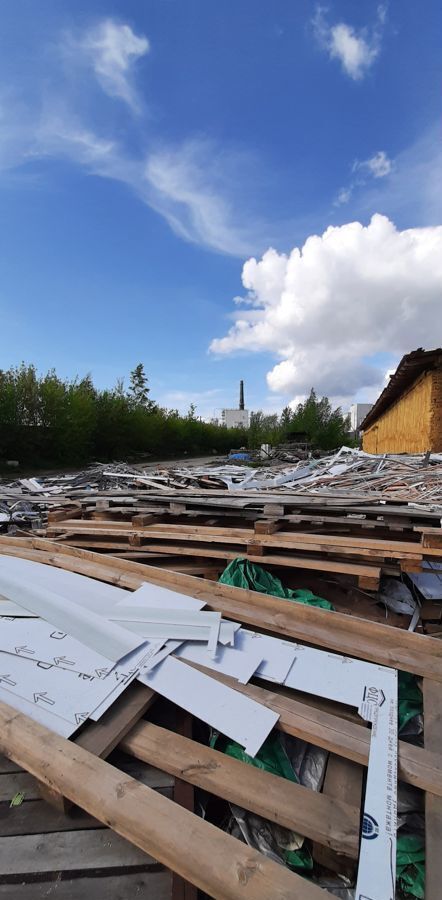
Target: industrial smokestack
x=241 y=395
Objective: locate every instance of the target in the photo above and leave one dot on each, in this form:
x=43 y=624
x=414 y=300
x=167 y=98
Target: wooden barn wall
x=408 y=426
x=436 y=412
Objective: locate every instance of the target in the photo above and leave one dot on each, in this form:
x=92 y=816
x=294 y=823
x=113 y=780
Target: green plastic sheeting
x=271 y=758
x=410 y=703
x=410 y=865
x=244 y=574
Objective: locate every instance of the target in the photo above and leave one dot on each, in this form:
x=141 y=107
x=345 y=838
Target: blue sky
x=150 y=151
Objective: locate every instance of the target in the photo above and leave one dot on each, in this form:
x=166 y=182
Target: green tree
x=139 y=390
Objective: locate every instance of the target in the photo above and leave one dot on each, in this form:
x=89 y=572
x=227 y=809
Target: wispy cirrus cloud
x=111 y=50
x=196 y=207
x=194 y=184
x=377 y=166
x=356 y=49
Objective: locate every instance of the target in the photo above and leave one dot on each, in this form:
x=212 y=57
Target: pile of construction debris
x=332 y=587
x=349 y=473
x=79 y=631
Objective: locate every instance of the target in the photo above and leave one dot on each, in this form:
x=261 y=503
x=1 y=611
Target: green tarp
x=271 y=758
x=244 y=574
x=410 y=861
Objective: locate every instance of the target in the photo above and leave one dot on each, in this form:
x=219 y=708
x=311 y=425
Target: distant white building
x=357 y=414
x=235 y=418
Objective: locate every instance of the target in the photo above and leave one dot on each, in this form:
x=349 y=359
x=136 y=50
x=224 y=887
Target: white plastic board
x=38 y=713
x=277 y=656
x=231 y=713
x=150 y=595
x=372 y=689
x=38 y=640
x=91 y=629
x=231 y=661
x=126 y=672
x=70 y=695
x=224 y=631
x=94 y=595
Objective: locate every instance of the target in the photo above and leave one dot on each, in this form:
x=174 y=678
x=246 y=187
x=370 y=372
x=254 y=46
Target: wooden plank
x=150 y=885
x=36 y=817
x=373 y=641
x=21 y=781
x=101 y=737
x=299 y=562
x=7 y=765
x=12 y=783
x=422 y=768
x=140 y=520
x=330 y=822
x=58 y=515
x=267 y=526
x=322 y=543
x=214 y=861
x=433 y=805
x=342 y=782
x=433 y=540
x=184 y=795
x=68 y=851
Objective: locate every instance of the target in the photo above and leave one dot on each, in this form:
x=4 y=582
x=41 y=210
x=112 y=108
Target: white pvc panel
x=86 y=626
x=231 y=713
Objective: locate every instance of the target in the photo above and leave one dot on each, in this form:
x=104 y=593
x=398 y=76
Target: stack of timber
x=360 y=549
x=150 y=830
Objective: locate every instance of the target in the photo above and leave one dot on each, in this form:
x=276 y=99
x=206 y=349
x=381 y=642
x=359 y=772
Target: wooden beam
x=102 y=737
x=419 y=654
x=184 y=794
x=433 y=805
x=342 y=782
x=216 y=862
x=422 y=768
x=331 y=822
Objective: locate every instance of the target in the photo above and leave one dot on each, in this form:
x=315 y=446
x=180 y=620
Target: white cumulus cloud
x=327 y=309
x=111 y=49
x=355 y=50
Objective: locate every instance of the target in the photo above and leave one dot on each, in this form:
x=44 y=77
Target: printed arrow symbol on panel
x=81 y=717
x=24 y=649
x=58 y=660
x=8 y=680
x=101 y=673
x=42 y=695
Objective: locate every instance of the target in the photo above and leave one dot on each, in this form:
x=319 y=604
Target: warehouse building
x=407 y=417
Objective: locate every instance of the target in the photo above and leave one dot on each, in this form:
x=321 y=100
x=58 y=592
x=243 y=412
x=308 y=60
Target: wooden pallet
x=45 y=853
x=363 y=558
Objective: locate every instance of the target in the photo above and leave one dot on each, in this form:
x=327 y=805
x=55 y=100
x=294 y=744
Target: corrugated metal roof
x=410 y=367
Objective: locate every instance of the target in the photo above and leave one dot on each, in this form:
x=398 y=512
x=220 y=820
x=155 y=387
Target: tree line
x=49 y=421
x=325 y=428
